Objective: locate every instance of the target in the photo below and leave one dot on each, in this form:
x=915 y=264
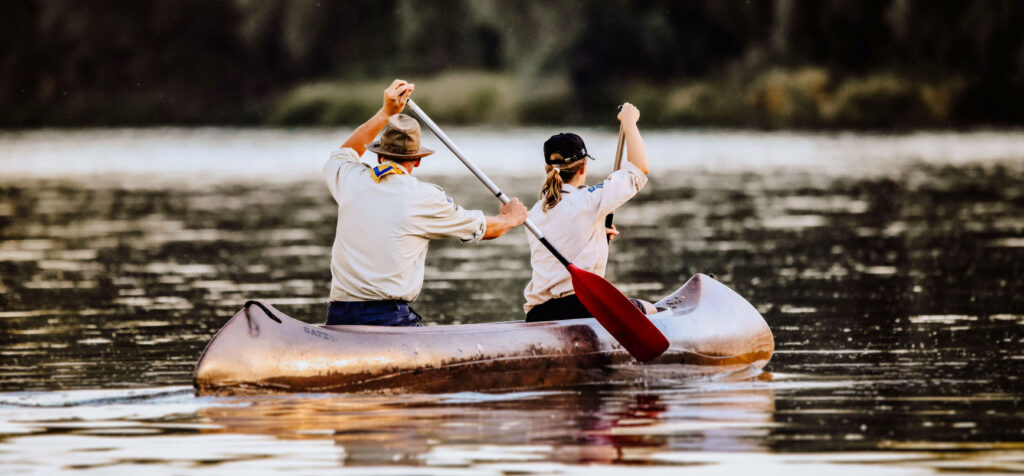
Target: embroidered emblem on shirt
x=383 y=170
x=447 y=197
x=451 y=201
x=595 y=187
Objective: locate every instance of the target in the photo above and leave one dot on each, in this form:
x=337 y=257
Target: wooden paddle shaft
x=618 y=165
x=619 y=147
x=481 y=176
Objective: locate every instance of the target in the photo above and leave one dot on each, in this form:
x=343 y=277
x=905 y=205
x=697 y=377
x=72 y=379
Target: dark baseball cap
x=568 y=145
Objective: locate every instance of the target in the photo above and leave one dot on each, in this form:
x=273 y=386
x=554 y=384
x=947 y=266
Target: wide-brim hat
x=400 y=139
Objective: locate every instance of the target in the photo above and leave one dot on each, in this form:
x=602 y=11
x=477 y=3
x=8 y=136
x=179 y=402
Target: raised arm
x=395 y=97
x=636 y=151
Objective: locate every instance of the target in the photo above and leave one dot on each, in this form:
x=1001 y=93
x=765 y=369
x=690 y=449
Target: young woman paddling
x=571 y=215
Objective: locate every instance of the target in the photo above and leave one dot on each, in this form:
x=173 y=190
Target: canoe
x=711 y=328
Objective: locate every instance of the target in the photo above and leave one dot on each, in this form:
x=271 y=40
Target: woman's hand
x=629 y=114
x=611 y=232
x=396 y=95
x=637 y=155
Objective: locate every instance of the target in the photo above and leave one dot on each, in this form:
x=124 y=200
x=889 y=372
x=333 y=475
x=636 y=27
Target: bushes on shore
x=454 y=98
x=805 y=98
x=459 y=98
x=778 y=98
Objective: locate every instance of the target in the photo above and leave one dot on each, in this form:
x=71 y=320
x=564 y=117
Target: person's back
x=384 y=229
x=572 y=216
x=576 y=226
x=386 y=219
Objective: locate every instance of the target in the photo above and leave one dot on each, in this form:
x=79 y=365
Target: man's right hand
x=510 y=215
x=396 y=95
x=514 y=211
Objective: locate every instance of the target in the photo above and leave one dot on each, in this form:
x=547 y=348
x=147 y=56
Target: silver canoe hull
x=711 y=329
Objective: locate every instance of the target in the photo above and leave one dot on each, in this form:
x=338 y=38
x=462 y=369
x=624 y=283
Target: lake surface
x=890 y=269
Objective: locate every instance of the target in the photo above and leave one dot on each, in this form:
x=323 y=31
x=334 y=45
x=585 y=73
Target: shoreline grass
x=799 y=98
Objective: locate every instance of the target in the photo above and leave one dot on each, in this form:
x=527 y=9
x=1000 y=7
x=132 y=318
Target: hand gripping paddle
x=619 y=316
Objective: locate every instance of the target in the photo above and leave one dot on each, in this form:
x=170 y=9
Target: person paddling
x=572 y=215
x=386 y=218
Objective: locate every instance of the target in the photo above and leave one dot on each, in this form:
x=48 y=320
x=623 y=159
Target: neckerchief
x=383 y=170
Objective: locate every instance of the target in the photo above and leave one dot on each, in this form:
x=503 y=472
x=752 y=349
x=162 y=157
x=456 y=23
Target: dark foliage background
x=123 y=62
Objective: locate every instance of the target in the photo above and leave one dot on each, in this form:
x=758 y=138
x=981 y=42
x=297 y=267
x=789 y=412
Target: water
x=889 y=268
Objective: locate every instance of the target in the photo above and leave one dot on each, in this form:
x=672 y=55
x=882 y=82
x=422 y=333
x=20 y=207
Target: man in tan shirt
x=386 y=218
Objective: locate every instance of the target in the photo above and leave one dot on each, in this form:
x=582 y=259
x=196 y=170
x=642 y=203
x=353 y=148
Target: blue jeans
x=372 y=313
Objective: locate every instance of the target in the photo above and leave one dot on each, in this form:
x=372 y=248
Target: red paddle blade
x=619 y=316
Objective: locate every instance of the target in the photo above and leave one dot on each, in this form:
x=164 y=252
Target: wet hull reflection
x=589 y=425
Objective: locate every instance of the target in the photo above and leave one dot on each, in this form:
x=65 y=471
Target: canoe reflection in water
x=589 y=424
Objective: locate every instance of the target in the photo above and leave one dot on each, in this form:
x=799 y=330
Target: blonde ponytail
x=551 y=192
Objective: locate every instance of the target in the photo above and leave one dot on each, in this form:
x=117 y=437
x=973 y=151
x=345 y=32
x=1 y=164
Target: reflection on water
x=586 y=426
x=725 y=426
x=896 y=297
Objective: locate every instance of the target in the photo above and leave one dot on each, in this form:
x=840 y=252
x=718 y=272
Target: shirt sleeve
x=341 y=161
x=436 y=216
x=618 y=188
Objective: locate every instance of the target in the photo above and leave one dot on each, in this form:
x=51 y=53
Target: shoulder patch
x=446 y=196
x=595 y=187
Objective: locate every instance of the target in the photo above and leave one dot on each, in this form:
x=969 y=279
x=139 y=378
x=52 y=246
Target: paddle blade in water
x=619 y=316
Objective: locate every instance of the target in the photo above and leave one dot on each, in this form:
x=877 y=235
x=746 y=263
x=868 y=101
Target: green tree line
x=762 y=63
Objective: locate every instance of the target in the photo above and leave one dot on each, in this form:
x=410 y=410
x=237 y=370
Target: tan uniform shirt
x=384 y=228
x=576 y=229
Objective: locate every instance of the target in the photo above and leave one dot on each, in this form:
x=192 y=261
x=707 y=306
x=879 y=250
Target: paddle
x=618 y=163
x=619 y=316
